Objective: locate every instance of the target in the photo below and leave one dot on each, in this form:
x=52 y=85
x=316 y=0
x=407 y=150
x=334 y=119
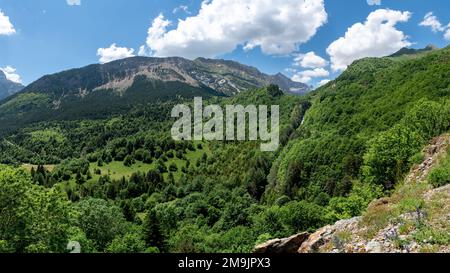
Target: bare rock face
x=326 y=235
x=287 y=245
x=374 y=247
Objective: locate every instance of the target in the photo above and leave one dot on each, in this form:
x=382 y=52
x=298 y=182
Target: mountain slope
x=414 y=219
x=230 y=77
x=7 y=87
x=97 y=90
x=373 y=101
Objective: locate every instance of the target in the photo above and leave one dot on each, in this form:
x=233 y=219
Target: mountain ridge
x=412 y=51
x=99 y=90
x=224 y=76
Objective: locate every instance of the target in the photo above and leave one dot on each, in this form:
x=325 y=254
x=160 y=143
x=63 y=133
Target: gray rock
x=374 y=247
x=286 y=245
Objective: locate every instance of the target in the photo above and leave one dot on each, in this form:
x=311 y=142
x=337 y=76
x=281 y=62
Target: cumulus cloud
x=374 y=2
x=376 y=37
x=277 y=27
x=6 y=28
x=11 y=74
x=113 y=53
x=73 y=2
x=432 y=22
x=310 y=60
x=307 y=75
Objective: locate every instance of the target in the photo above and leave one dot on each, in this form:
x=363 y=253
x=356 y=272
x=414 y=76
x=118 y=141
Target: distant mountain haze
x=7 y=87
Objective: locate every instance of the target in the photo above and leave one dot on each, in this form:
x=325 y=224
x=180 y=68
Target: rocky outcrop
x=286 y=245
x=431 y=153
x=326 y=235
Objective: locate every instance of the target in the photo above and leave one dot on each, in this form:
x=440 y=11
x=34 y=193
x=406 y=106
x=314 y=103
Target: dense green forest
x=121 y=184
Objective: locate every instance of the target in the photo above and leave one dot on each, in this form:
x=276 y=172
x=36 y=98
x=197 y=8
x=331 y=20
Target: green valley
x=117 y=182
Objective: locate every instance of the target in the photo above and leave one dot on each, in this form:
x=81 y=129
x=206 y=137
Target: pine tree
x=152 y=231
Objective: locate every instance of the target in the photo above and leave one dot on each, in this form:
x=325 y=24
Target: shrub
x=173 y=167
x=129 y=161
x=439 y=177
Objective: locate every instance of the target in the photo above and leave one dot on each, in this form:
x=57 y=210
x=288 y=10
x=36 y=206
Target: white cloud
x=323 y=82
x=447 y=33
x=277 y=27
x=155 y=33
x=181 y=8
x=374 y=2
x=307 y=75
x=113 y=53
x=436 y=26
x=376 y=37
x=73 y=2
x=302 y=79
x=310 y=60
x=432 y=21
x=11 y=74
x=6 y=28
x=144 y=51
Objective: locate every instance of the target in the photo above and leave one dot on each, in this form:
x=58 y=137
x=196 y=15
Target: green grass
x=116 y=169
x=28 y=167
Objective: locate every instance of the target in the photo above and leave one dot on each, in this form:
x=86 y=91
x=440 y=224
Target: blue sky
x=39 y=37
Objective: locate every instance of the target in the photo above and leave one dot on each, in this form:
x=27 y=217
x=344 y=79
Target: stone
x=286 y=246
x=316 y=240
x=374 y=247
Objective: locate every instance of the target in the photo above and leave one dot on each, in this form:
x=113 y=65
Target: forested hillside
x=365 y=125
x=119 y=183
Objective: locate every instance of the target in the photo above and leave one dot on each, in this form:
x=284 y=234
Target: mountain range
x=7 y=87
x=101 y=89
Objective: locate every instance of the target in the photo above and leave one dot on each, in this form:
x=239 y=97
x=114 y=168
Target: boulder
x=282 y=246
x=326 y=234
x=316 y=240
